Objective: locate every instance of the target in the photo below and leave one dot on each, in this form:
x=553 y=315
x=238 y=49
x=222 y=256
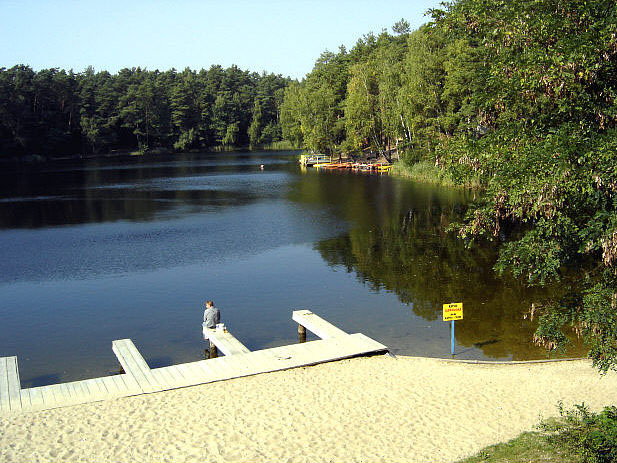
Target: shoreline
x=426 y=172
x=377 y=408
x=36 y=159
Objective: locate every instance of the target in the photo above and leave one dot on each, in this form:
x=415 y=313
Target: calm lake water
x=97 y=250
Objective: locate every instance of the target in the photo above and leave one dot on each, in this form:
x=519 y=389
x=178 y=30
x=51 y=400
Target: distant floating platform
x=139 y=378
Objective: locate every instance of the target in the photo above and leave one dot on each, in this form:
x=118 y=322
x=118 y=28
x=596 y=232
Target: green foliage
x=400 y=93
x=549 y=333
x=593 y=436
x=312 y=111
x=231 y=134
x=53 y=112
x=39 y=113
x=519 y=96
x=578 y=435
x=401 y=27
x=422 y=90
x=256 y=126
x=547 y=153
x=362 y=122
x=599 y=321
x=350 y=100
x=536 y=257
x=290 y=114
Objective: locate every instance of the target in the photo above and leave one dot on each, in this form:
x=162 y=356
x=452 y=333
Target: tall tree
x=186 y=110
x=290 y=110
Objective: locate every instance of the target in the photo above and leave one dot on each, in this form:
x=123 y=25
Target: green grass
x=578 y=435
x=528 y=447
x=423 y=171
x=427 y=172
x=282 y=145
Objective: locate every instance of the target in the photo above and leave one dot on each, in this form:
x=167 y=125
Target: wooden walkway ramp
x=225 y=342
x=139 y=378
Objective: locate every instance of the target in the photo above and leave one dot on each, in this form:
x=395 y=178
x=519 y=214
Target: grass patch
x=282 y=145
x=576 y=436
x=423 y=171
x=427 y=172
x=591 y=435
x=528 y=447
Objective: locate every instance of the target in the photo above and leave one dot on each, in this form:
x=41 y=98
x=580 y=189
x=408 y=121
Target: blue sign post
x=452 y=330
x=452 y=312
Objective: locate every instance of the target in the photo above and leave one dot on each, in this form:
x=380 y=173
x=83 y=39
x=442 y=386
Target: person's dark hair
x=209 y=303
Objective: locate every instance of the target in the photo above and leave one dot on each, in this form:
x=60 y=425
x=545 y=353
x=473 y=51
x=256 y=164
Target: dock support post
x=214 y=353
x=301 y=333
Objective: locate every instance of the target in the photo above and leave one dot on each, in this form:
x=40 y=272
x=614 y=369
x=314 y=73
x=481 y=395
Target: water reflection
x=135 y=188
x=398 y=243
x=99 y=250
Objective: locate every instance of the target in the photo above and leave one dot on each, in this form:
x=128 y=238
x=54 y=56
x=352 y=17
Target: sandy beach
x=360 y=410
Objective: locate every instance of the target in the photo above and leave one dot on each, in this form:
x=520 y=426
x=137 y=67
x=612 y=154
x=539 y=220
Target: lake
x=111 y=248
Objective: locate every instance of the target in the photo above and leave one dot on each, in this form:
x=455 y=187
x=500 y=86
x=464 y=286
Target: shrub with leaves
x=593 y=436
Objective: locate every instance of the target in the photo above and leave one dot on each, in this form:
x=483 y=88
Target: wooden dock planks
x=225 y=342
x=316 y=324
x=10 y=388
x=134 y=365
x=36 y=398
x=139 y=378
x=179 y=379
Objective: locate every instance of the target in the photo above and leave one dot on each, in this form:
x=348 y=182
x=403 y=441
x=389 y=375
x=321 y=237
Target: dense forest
x=53 y=112
x=517 y=96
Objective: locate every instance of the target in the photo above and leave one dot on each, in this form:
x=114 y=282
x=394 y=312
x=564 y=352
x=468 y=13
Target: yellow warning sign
x=453 y=311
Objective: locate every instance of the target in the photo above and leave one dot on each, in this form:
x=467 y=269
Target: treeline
x=402 y=92
x=519 y=96
x=53 y=112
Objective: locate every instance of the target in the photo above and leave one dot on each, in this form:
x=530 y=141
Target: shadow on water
x=42 y=380
x=486 y=343
x=158 y=362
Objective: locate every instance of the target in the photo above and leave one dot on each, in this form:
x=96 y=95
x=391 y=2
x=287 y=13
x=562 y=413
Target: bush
x=591 y=435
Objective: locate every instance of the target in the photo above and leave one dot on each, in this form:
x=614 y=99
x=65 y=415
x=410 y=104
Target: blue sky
x=284 y=37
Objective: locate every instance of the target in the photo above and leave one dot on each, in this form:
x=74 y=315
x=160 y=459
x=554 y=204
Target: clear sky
x=280 y=36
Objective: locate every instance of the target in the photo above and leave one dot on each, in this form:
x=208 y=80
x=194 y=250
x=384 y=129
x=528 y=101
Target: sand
x=362 y=410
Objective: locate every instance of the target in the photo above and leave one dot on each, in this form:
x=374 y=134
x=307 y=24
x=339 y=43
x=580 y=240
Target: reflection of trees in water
x=415 y=258
x=94 y=192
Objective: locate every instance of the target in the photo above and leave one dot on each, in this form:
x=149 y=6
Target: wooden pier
x=308 y=160
x=139 y=378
